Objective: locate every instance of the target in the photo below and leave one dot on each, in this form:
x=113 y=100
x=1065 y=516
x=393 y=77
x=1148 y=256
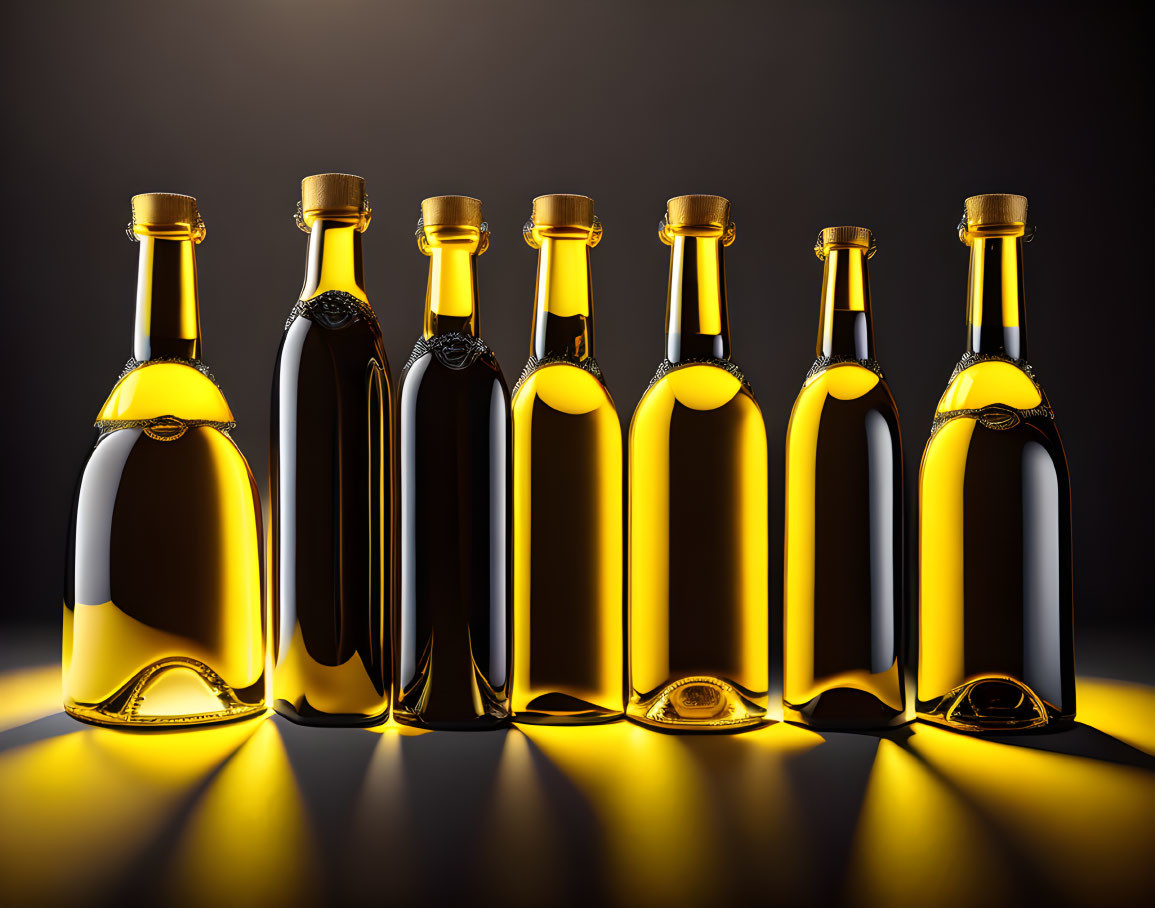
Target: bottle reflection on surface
x=163 y=606
x=996 y=616
x=842 y=648
x=331 y=478
x=698 y=562
x=453 y=620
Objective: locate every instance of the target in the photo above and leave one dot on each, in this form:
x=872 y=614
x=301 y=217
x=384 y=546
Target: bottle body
x=332 y=514
x=842 y=664
x=996 y=640
x=698 y=623
x=453 y=634
x=996 y=616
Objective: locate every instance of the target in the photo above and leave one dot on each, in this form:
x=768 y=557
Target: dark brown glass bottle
x=453 y=616
x=331 y=478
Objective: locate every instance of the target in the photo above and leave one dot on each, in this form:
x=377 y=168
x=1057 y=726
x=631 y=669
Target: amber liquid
x=163 y=606
x=452 y=630
x=332 y=516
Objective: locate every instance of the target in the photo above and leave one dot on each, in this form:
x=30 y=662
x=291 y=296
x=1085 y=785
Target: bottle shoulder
x=697 y=387
x=844 y=395
x=333 y=310
x=564 y=386
x=991 y=382
x=153 y=390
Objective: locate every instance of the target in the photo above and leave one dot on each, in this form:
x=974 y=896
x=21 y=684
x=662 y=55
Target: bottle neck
x=697 y=321
x=334 y=259
x=996 y=303
x=845 y=328
x=451 y=296
x=563 y=307
x=167 y=315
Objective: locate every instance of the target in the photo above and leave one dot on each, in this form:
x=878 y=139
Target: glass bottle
x=842 y=643
x=453 y=620
x=567 y=490
x=995 y=605
x=698 y=615
x=163 y=604
x=331 y=478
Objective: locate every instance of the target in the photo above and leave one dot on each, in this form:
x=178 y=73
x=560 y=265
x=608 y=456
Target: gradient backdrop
x=804 y=115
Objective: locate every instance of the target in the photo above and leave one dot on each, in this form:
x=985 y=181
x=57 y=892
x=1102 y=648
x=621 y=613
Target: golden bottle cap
x=995 y=209
x=451 y=211
x=698 y=211
x=334 y=195
x=857 y=237
x=561 y=210
x=166 y=215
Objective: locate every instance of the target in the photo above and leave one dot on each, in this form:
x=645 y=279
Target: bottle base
x=557 y=708
x=995 y=704
x=477 y=723
x=697 y=703
x=845 y=709
x=313 y=718
x=97 y=716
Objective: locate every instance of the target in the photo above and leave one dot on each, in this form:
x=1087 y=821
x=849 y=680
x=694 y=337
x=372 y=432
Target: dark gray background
x=885 y=115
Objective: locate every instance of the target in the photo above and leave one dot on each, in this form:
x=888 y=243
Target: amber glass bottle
x=995 y=604
x=163 y=603
x=842 y=646
x=567 y=490
x=698 y=636
x=331 y=478
x=453 y=616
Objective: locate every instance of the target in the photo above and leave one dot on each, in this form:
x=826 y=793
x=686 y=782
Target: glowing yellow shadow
x=938 y=817
x=29 y=694
x=1121 y=710
x=96 y=792
x=247 y=841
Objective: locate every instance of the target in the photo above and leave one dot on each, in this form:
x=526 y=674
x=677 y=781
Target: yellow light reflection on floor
x=1121 y=710
x=918 y=843
x=247 y=841
x=1084 y=825
x=29 y=694
x=80 y=807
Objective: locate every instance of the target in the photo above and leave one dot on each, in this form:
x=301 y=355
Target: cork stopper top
x=698 y=211
x=332 y=192
x=996 y=209
x=559 y=210
x=166 y=214
x=855 y=237
x=451 y=211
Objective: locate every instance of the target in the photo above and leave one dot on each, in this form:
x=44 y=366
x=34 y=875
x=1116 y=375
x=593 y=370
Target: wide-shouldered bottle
x=843 y=580
x=453 y=617
x=163 y=605
x=996 y=618
x=331 y=489
x=567 y=490
x=698 y=609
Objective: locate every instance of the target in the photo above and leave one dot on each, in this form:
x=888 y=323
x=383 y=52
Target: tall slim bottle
x=163 y=603
x=996 y=619
x=331 y=478
x=842 y=646
x=453 y=621
x=698 y=614
x=567 y=490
